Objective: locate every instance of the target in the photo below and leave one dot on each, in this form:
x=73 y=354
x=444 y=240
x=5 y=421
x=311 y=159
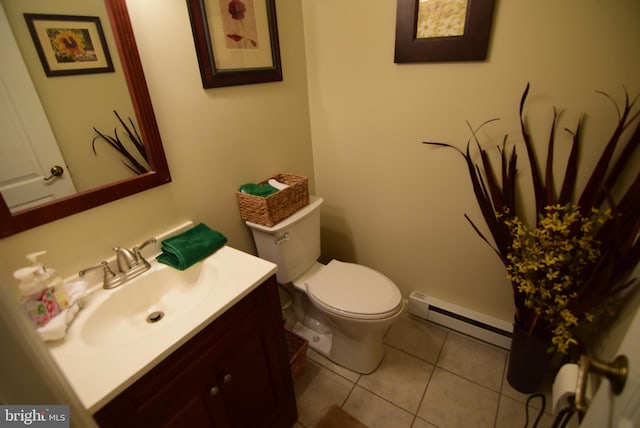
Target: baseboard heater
x=471 y=323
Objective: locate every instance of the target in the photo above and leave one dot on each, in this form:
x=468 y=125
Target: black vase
x=529 y=360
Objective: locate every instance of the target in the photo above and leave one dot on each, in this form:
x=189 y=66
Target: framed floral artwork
x=69 y=45
x=442 y=30
x=236 y=41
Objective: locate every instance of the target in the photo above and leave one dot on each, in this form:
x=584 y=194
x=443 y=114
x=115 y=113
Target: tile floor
x=430 y=377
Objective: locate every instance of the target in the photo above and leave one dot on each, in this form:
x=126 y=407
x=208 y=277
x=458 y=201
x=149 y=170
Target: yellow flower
x=69 y=43
x=552 y=274
x=561 y=300
x=546 y=264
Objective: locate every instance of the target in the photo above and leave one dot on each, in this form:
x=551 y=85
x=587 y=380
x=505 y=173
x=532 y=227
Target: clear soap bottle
x=42 y=294
x=49 y=279
x=38 y=300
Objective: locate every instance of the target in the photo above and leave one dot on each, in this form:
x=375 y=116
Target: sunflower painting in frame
x=69 y=45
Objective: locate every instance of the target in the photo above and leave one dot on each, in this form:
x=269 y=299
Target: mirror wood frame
x=12 y=223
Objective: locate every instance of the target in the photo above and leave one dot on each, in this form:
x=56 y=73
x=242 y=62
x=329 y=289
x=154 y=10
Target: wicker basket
x=297 y=349
x=278 y=206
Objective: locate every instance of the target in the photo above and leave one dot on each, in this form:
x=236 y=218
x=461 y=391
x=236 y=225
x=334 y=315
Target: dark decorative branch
x=130 y=130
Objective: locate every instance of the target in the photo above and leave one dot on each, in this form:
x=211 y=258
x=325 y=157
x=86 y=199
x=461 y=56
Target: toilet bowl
x=357 y=304
x=343 y=309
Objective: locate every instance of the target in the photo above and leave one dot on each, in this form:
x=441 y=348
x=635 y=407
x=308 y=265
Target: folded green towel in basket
x=183 y=250
x=263 y=190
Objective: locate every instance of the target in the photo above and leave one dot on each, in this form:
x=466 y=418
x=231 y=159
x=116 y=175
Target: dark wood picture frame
x=69 y=45
x=472 y=45
x=208 y=36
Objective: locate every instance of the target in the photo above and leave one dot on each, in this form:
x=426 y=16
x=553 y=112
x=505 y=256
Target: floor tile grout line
x=444 y=342
x=335 y=372
x=387 y=400
x=501 y=395
x=424 y=394
x=384 y=399
x=436 y=365
x=353 y=387
x=495 y=418
x=409 y=353
x=469 y=380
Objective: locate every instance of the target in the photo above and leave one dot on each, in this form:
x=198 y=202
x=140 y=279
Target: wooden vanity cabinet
x=234 y=373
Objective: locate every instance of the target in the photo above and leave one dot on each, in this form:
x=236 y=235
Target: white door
x=28 y=148
x=620 y=411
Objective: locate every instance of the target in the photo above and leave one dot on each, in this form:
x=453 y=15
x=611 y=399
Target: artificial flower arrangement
x=569 y=267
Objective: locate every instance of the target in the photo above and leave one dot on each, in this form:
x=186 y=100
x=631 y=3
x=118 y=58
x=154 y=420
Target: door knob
x=616 y=372
x=226 y=378
x=214 y=391
x=56 y=171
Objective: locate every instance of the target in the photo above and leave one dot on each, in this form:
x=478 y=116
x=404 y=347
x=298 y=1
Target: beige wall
x=215 y=140
x=397 y=205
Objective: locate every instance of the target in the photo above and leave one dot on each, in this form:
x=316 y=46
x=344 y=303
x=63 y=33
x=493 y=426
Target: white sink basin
x=109 y=345
x=144 y=305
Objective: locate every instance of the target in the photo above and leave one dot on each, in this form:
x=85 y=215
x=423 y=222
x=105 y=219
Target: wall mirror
x=125 y=54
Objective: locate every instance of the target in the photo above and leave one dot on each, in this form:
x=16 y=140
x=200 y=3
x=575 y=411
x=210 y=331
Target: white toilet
x=343 y=309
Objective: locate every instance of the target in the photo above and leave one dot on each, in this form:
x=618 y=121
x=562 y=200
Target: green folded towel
x=182 y=251
x=263 y=190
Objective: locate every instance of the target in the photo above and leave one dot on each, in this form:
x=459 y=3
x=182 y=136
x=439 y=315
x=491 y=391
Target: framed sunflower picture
x=69 y=45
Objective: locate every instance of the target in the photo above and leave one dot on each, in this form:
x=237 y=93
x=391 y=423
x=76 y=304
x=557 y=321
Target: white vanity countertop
x=98 y=373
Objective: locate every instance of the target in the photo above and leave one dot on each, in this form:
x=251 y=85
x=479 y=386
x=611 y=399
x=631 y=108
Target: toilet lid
x=354 y=290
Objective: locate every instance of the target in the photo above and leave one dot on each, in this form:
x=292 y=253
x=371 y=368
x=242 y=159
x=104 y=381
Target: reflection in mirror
x=134 y=108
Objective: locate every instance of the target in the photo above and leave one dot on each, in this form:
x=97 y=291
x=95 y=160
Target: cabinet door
x=256 y=355
x=244 y=369
x=171 y=400
x=191 y=399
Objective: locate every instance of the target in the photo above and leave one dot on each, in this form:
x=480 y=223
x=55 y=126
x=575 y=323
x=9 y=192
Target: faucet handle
x=137 y=248
x=110 y=279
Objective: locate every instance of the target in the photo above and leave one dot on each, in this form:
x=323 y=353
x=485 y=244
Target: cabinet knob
x=214 y=391
x=227 y=378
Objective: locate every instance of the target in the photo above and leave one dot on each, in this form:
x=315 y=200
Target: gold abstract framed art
x=442 y=30
x=236 y=41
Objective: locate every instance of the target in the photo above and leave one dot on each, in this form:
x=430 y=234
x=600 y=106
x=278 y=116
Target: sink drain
x=155 y=317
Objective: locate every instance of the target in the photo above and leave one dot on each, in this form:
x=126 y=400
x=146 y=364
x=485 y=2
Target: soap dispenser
x=49 y=279
x=38 y=288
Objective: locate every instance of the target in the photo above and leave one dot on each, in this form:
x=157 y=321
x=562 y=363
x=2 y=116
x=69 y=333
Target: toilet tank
x=293 y=244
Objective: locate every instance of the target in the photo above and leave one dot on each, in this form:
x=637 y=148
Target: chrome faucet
x=125 y=259
x=131 y=263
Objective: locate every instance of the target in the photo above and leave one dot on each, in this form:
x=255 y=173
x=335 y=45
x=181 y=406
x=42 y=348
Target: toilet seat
x=353 y=291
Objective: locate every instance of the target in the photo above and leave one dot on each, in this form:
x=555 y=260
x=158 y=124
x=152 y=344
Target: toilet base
x=362 y=355
x=321 y=343
x=364 y=361
x=354 y=344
